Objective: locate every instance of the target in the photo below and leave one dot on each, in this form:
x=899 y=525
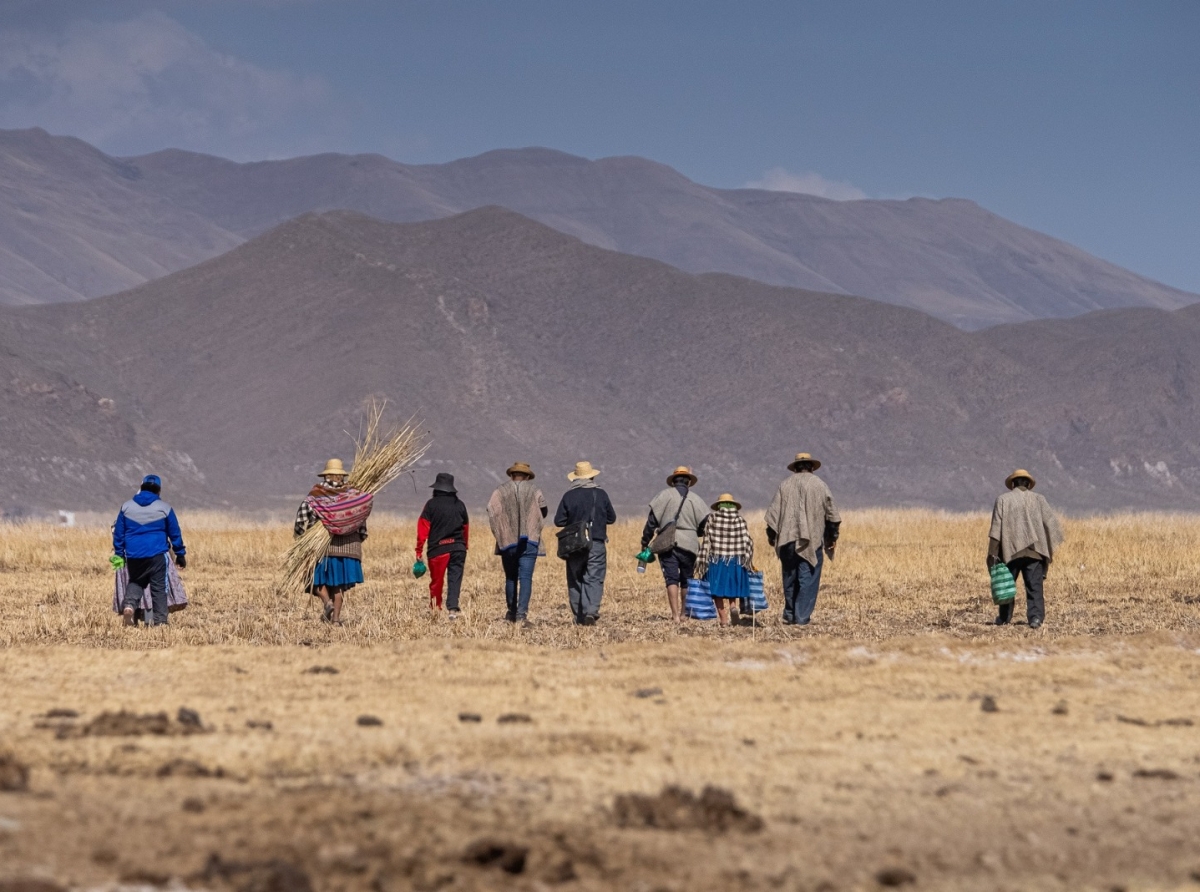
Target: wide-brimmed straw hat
x=682 y=471
x=1016 y=475
x=803 y=457
x=334 y=468
x=520 y=467
x=725 y=497
x=583 y=471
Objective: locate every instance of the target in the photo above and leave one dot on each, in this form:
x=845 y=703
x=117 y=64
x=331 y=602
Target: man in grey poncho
x=1023 y=535
x=803 y=525
x=515 y=513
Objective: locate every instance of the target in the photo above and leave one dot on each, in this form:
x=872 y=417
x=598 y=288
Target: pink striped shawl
x=343 y=512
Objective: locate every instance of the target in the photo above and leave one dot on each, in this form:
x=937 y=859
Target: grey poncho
x=515 y=513
x=1022 y=519
x=693 y=512
x=799 y=512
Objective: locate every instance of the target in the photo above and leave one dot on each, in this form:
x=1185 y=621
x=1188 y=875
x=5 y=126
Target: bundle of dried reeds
x=379 y=458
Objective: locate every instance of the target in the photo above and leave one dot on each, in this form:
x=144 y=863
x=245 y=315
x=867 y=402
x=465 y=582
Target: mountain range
x=236 y=378
x=76 y=223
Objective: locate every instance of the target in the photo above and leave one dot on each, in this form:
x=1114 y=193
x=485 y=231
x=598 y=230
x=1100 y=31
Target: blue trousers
x=518 y=564
x=801 y=580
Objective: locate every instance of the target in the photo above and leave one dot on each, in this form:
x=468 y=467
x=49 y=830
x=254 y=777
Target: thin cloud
x=777 y=179
x=147 y=82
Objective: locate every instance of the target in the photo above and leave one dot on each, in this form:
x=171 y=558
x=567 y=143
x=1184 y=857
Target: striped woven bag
x=1004 y=587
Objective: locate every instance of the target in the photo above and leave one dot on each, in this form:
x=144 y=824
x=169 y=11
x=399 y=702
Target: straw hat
x=333 y=468
x=725 y=497
x=682 y=471
x=1016 y=475
x=520 y=467
x=583 y=471
x=802 y=457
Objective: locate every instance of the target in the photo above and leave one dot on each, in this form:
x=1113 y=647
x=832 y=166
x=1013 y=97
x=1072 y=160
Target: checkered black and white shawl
x=305 y=517
x=725 y=536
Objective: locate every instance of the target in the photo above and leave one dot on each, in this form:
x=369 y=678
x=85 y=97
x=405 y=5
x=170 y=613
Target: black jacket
x=444 y=523
x=576 y=505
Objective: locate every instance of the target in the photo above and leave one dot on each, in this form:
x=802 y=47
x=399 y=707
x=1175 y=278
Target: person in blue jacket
x=146 y=529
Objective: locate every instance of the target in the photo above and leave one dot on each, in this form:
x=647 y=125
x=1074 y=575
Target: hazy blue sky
x=1081 y=119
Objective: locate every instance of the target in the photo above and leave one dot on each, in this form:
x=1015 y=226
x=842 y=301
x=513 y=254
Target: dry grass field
x=900 y=740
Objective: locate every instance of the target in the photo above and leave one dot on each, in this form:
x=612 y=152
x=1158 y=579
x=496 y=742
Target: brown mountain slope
x=951 y=258
x=75 y=223
x=515 y=341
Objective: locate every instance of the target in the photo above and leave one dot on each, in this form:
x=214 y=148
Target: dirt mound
x=676 y=808
x=274 y=875
x=14 y=775
x=27 y=884
x=490 y=853
x=130 y=724
x=188 y=768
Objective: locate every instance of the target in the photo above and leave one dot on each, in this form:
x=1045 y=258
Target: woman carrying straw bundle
x=726 y=556
x=343 y=511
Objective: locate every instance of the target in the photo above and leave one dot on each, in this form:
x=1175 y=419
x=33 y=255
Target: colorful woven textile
x=342 y=512
x=1004 y=586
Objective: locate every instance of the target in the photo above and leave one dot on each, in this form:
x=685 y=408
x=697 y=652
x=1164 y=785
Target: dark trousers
x=585 y=580
x=1033 y=572
x=150 y=572
x=677 y=567
x=801 y=581
x=518 y=565
x=446 y=569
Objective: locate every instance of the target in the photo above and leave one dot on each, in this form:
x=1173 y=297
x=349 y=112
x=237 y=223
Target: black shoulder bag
x=665 y=540
x=576 y=537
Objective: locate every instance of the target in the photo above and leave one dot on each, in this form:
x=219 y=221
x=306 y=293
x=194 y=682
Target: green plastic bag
x=1004 y=587
x=419 y=568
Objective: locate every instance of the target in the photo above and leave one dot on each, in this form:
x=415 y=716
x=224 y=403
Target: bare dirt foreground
x=900 y=741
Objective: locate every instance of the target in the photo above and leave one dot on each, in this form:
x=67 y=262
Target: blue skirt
x=338 y=572
x=727 y=578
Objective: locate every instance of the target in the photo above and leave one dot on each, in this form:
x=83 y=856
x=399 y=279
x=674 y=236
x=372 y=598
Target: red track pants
x=442 y=569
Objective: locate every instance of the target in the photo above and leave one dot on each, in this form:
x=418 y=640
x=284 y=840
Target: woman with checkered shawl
x=726 y=556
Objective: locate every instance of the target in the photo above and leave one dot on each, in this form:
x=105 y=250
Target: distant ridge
x=76 y=223
x=515 y=341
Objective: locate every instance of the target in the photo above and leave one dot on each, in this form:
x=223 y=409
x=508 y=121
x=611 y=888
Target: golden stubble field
x=858 y=751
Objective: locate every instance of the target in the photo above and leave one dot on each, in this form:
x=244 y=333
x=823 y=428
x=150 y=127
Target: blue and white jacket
x=146 y=527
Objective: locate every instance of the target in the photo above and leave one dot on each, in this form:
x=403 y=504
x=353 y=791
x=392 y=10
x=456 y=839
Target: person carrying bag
x=583 y=515
x=676 y=542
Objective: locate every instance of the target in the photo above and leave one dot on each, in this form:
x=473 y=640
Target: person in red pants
x=444 y=524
